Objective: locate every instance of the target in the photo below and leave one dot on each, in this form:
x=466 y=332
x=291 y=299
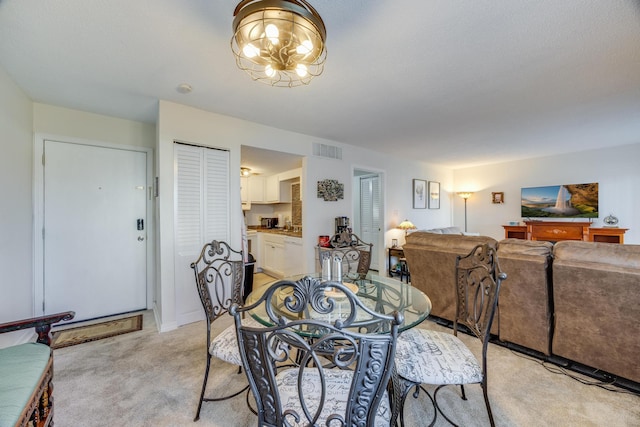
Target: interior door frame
x=38 y=212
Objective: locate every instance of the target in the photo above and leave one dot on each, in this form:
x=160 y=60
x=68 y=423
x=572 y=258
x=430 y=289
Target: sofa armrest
x=42 y=325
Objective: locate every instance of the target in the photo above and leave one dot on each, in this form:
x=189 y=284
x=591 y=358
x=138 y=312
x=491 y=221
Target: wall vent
x=328 y=151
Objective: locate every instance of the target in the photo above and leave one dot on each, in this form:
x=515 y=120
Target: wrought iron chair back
x=478 y=281
x=219 y=275
x=440 y=358
x=355 y=253
x=341 y=375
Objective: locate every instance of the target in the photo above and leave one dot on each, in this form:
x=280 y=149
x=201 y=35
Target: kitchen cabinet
x=287 y=179
x=256 y=189
x=293 y=263
x=272 y=253
x=280 y=255
x=272 y=189
x=278 y=190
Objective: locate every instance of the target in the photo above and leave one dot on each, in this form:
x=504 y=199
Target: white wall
x=16 y=283
x=54 y=120
x=614 y=169
x=181 y=123
x=20 y=118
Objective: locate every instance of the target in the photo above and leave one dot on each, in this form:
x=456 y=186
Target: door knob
x=140 y=238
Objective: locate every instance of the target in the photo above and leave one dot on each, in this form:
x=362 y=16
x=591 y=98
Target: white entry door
x=94 y=229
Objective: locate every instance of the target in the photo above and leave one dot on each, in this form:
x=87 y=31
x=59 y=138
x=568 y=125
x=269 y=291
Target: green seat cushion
x=21 y=367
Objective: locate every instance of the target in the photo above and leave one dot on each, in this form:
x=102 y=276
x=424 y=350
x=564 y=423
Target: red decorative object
x=323 y=241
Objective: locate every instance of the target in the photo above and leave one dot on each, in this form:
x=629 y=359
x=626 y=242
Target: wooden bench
x=26 y=374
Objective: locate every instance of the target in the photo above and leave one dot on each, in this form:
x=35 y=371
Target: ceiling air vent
x=328 y=151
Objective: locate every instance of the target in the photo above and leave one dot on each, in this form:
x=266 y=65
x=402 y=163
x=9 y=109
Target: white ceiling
x=456 y=83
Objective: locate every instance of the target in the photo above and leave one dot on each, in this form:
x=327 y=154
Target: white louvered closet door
x=201 y=215
x=370 y=214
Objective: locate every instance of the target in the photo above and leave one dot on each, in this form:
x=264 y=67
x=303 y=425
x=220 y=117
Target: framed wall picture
x=419 y=194
x=497 y=197
x=434 y=195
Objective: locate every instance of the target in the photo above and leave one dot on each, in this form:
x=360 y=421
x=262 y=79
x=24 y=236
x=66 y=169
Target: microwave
x=269 y=222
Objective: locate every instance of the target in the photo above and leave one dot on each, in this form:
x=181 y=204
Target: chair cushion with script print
x=338 y=383
x=225 y=345
x=431 y=357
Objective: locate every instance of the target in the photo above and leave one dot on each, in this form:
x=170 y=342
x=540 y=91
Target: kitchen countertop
x=280 y=231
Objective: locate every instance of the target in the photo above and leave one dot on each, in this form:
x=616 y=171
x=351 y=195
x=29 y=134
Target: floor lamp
x=465 y=195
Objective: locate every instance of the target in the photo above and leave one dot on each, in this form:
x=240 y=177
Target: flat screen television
x=560 y=201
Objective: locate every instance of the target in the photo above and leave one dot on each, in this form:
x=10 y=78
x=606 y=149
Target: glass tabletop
x=379 y=293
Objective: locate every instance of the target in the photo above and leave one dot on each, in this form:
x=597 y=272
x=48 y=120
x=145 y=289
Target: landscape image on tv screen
x=560 y=201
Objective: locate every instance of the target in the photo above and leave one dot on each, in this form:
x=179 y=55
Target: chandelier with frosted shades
x=279 y=42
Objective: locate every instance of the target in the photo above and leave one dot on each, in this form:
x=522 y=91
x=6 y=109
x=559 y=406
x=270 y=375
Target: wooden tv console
x=555 y=231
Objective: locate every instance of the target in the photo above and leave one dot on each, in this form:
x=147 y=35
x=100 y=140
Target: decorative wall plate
x=330 y=190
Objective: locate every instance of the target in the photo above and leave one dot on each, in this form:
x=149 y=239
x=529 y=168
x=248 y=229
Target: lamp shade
x=406 y=225
x=465 y=194
x=279 y=42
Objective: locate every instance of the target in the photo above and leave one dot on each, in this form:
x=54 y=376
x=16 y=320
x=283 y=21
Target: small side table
x=401 y=268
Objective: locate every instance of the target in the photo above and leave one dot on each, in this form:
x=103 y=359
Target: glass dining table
x=379 y=293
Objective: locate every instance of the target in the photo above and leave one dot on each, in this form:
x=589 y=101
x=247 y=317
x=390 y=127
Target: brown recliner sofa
x=573 y=301
x=596 y=293
x=431 y=259
x=526 y=297
x=524 y=314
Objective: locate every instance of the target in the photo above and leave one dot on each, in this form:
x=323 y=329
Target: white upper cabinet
x=273 y=189
x=256 y=189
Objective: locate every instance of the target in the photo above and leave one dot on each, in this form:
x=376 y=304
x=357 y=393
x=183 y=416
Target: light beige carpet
x=96 y=331
x=150 y=379
x=260 y=279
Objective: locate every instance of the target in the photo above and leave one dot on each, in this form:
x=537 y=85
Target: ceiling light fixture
x=279 y=42
x=245 y=171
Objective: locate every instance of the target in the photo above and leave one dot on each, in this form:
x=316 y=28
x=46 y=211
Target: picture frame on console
x=419 y=194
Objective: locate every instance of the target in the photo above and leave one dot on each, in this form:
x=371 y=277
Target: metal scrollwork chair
x=441 y=358
x=219 y=272
x=342 y=374
x=355 y=254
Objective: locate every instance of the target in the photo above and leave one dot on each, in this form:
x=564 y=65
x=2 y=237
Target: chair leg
x=464 y=396
x=204 y=387
x=217 y=399
x=405 y=393
x=486 y=402
x=435 y=402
